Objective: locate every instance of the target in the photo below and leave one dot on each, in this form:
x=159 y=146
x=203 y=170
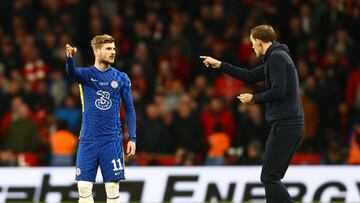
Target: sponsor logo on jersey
x=103 y=83
x=104 y=102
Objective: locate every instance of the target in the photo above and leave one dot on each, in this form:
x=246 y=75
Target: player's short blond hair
x=99 y=40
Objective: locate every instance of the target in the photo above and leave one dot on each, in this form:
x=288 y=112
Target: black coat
x=281 y=93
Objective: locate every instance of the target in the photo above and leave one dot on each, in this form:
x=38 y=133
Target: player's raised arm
x=70 y=63
x=72 y=72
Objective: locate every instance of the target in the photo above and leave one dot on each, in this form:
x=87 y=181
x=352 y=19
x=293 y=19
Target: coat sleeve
x=277 y=75
x=241 y=73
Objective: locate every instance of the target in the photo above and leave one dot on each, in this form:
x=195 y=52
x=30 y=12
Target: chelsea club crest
x=114 y=84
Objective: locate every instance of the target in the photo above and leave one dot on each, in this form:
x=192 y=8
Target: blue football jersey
x=102 y=93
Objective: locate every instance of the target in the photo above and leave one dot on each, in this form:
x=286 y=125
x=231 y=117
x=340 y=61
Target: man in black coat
x=283 y=107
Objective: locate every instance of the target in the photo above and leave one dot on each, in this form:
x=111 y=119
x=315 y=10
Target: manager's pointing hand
x=210 y=62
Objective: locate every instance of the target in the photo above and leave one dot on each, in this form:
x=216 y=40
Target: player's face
x=107 y=52
x=256 y=45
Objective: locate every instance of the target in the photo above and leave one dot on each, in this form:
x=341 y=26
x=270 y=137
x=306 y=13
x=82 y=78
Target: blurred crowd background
x=186 y=114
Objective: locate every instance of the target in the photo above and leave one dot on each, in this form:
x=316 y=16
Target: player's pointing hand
x=210 y=62
x=70 y=51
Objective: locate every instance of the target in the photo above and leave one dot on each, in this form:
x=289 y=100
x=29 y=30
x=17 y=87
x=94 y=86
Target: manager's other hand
x=246 y=98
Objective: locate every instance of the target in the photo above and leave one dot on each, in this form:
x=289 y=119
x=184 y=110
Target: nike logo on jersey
x=100 y=83
x=117 y=173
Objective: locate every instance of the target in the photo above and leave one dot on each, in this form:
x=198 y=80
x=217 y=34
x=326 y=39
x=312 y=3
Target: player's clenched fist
x=210 y=62
x=70 y=51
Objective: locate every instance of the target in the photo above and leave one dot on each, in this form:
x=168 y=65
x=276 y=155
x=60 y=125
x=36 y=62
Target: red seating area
x=305 y=159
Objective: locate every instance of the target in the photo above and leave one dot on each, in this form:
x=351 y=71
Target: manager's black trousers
x=280 y=147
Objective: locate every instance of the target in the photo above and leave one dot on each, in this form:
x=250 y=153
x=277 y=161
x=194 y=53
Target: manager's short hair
x=264 y=33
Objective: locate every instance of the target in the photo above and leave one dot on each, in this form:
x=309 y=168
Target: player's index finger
x=203 y=57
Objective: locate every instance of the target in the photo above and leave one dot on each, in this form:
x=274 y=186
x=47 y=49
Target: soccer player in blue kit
x=102 y=89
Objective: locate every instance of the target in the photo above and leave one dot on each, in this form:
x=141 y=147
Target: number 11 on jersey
x=117 y=168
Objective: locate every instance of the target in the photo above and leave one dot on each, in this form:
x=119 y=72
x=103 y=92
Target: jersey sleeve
x=130 y=116
x=76 y=74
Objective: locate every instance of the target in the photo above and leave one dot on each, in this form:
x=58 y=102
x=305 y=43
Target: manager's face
x=257 y=46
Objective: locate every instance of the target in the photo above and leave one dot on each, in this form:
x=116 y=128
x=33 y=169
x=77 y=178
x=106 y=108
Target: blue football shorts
x=109 y=155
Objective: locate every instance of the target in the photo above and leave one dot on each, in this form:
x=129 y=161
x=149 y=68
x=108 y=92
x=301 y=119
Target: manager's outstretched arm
x=241 y=73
